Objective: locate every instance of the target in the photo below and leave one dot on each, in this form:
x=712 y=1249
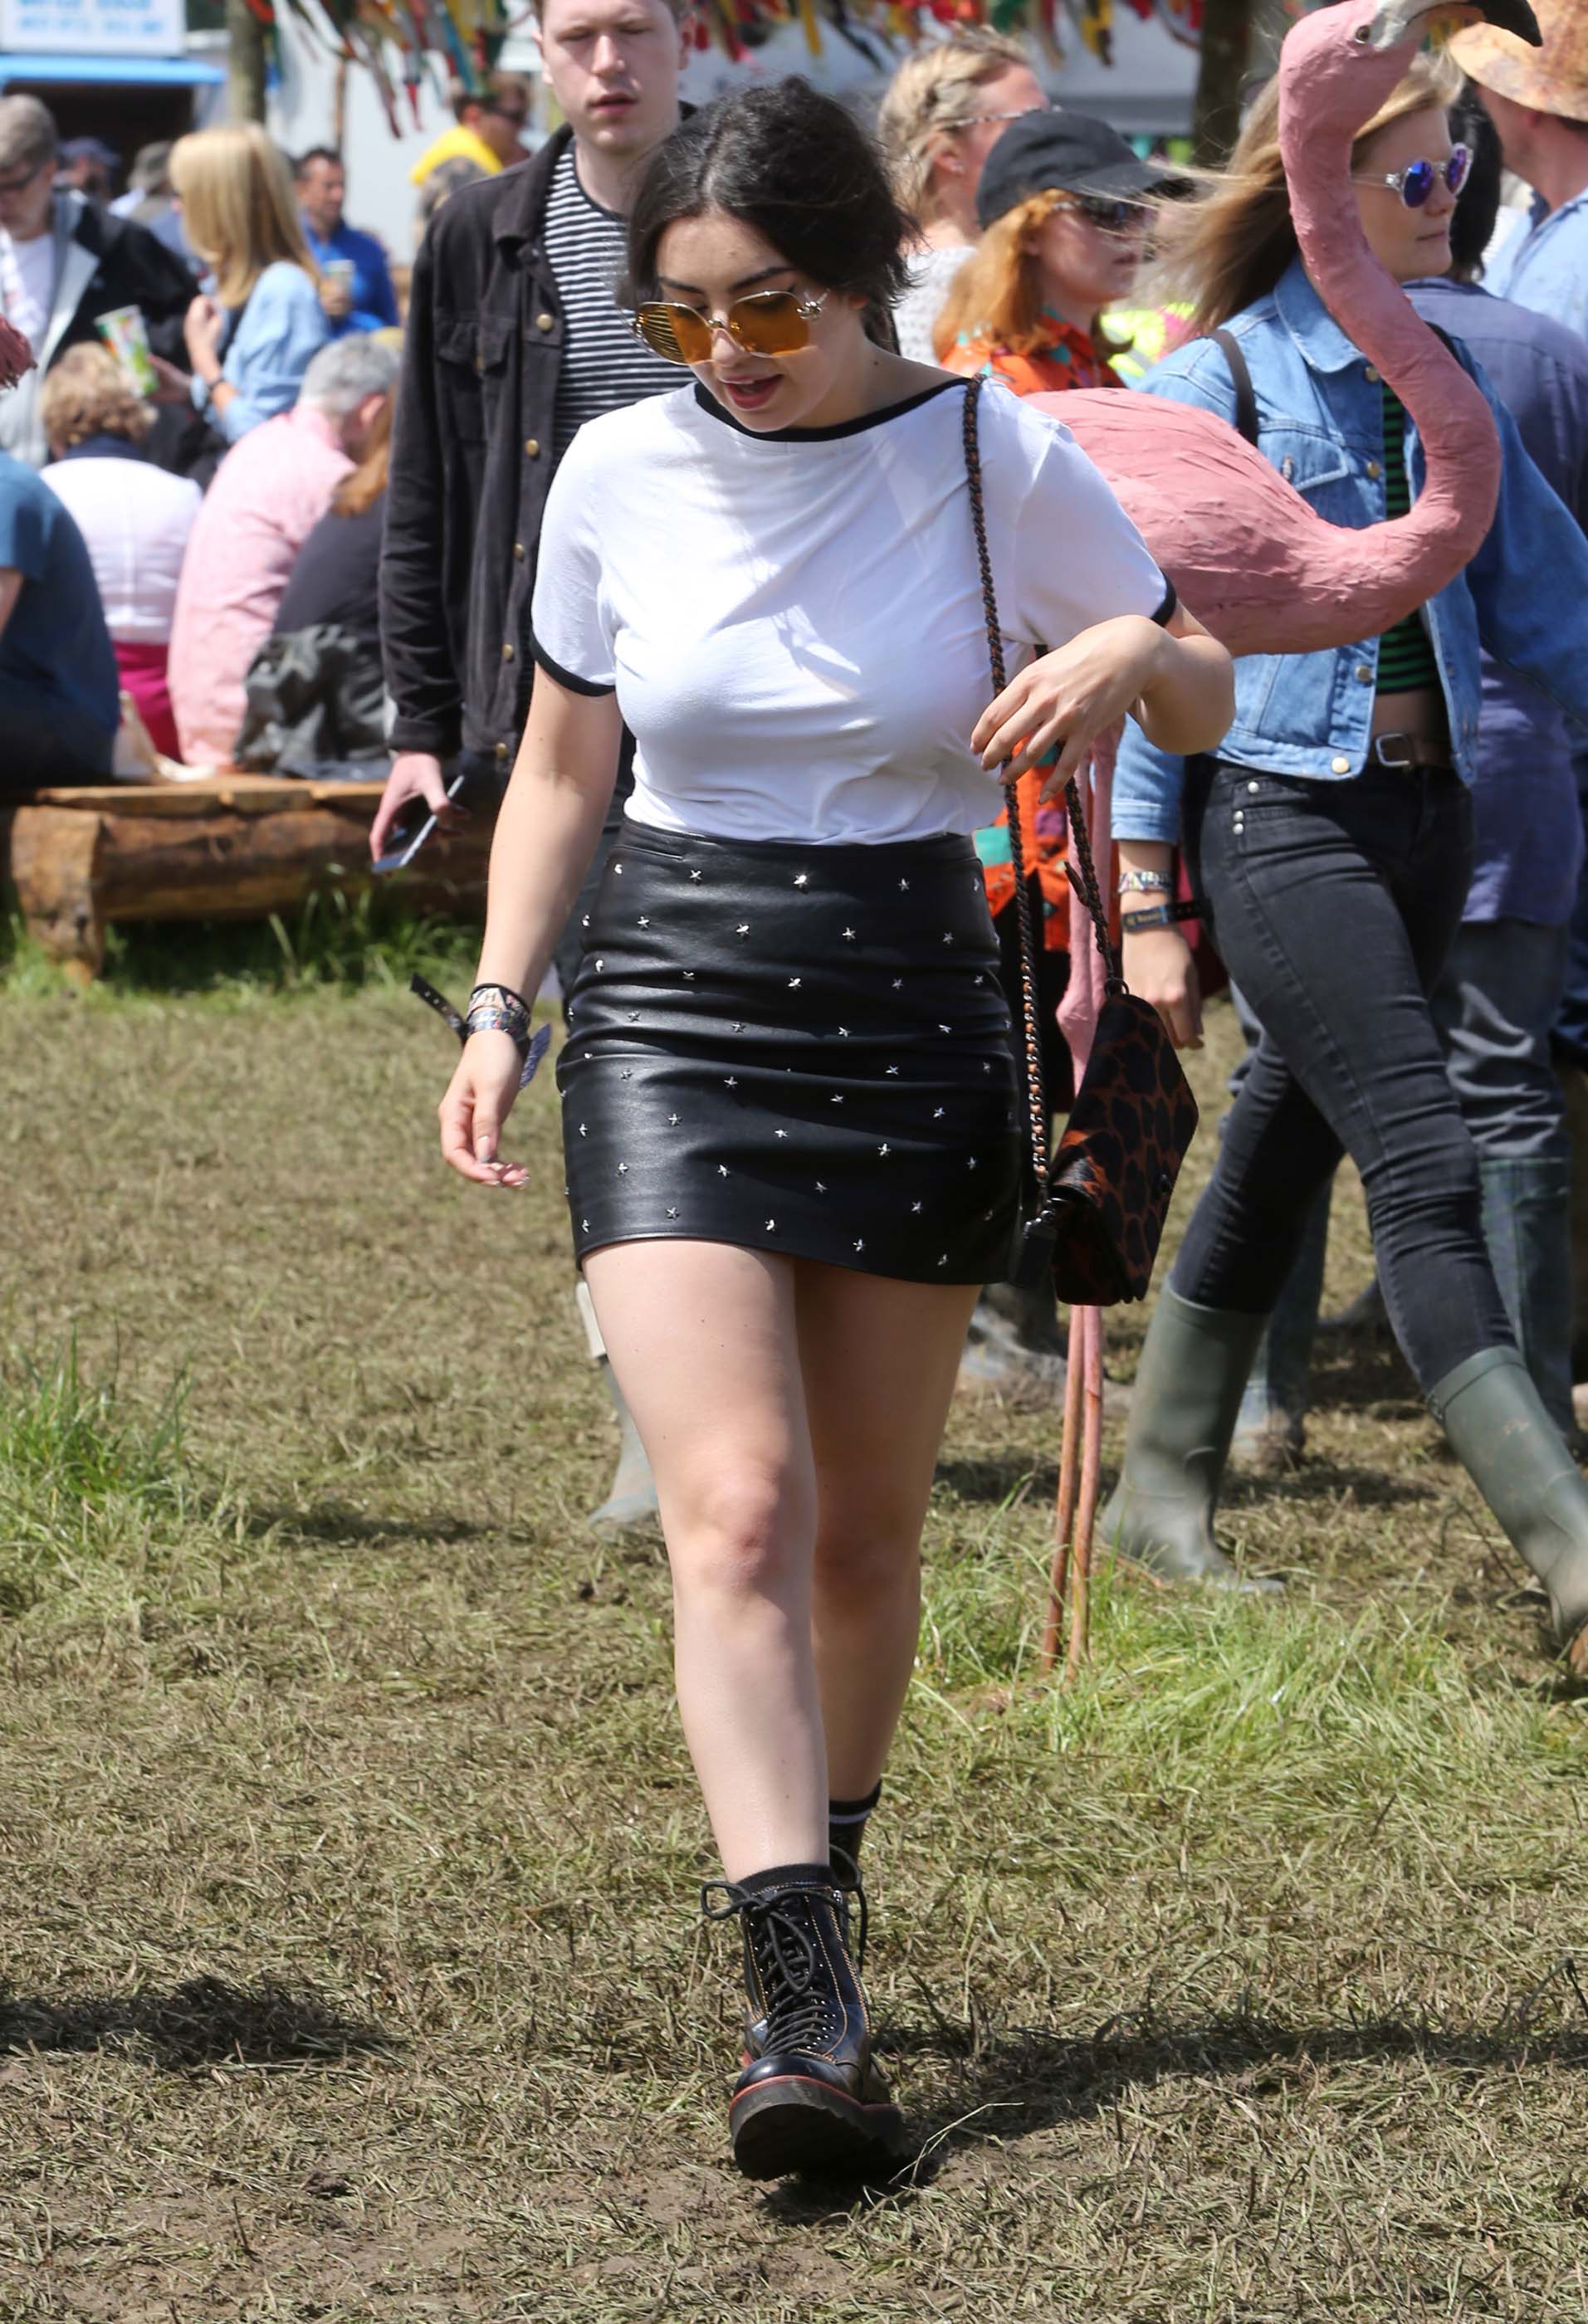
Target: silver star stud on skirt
x=743 y=929
x=697 y=875
x=721 y=1169
x=672 y=1213
x=904 y=887
x=780 y=1133
x=644 y=920
x=731 y=1081
x=623 y=1169
x=884 y=1148
x=916 y=1209
x=802 y=879
x=673 y=1121
x=860 y=1242
x=771 y=1226
x=795 y=982
x=849 y=936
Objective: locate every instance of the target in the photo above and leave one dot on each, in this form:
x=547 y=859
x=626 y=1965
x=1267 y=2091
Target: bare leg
x=702 y=1339
x=880 y=1359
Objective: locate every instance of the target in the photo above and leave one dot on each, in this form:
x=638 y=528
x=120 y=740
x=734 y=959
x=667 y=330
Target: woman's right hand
x=1158 y=968
x=479 y=1098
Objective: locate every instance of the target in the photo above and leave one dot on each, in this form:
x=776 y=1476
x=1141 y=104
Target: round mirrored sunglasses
x=1415 y=184
x=766 y=323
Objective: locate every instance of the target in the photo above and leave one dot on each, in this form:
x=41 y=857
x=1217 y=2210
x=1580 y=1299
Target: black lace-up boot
x=811 y=2099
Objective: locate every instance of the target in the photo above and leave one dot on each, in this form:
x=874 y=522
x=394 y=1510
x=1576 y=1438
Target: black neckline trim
x=708 y=403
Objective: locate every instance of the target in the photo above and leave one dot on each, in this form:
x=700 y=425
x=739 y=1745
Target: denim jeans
x=1335 y=905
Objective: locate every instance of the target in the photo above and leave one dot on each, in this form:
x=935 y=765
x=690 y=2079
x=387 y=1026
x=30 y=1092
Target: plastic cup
x=127 y=335
x=339 y=270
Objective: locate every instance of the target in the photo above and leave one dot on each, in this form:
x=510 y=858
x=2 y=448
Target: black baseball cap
x=1063 y=153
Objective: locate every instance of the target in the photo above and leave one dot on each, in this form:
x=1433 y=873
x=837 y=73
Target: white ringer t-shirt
x=792 y=621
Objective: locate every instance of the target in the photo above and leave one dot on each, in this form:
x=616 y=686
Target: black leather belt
x=1403 y=751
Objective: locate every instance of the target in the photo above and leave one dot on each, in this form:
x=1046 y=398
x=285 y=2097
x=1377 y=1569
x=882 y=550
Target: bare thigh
x=702 y=1337
x=879 y=1358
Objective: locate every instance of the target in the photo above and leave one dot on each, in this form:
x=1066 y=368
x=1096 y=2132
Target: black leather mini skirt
x=794 y=1049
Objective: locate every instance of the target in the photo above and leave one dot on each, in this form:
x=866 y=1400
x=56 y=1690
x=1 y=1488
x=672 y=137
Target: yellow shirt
x=458 y=144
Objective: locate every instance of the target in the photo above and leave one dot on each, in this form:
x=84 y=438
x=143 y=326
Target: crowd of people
x=717 y=662
x=214 y=356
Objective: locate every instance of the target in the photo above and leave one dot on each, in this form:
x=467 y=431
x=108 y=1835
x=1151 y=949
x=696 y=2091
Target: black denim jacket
x=471 y=465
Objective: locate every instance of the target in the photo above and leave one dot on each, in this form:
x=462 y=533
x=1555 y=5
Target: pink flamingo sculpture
x=1248 y=554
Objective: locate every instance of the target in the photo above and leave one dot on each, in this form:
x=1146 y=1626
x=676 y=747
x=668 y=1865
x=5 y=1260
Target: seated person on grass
x=60 y=703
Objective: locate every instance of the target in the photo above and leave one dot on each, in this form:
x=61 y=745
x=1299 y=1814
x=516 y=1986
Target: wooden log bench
x=224 y=847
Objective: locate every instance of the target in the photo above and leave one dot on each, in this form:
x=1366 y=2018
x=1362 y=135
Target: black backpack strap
x=1245 y=394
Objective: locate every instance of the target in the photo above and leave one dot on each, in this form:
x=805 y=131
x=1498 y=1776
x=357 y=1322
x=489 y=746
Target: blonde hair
x=238 y=206
x=87 y=394
x=1226 y=247
x=932 y=93
x=999 y=295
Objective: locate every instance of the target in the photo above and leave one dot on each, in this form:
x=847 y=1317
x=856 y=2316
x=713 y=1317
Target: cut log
x=240 y=849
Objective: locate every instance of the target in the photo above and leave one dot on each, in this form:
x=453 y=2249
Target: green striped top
x=1406 y=652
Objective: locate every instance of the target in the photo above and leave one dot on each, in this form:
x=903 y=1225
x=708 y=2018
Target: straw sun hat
x=1553 y=79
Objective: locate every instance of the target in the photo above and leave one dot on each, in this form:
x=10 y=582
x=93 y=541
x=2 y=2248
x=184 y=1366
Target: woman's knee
x=744 y=1531
x=866 y=1557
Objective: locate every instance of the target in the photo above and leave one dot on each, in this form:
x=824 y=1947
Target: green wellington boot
x=1500 y=1433
x=1183 y=1411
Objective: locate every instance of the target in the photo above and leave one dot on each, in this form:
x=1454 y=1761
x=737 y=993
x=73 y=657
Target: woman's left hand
x=201 y=328
x=1067 y=698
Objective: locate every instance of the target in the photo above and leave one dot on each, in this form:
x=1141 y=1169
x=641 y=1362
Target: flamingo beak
x=1437 y=20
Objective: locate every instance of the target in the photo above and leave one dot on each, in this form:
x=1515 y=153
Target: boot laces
x=788 y=1959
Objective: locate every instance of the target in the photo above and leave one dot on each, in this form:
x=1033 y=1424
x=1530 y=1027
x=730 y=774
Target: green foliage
x=84 y=1479
x=336 y=941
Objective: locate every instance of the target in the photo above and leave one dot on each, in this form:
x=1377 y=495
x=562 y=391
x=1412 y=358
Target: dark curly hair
x=794 y=165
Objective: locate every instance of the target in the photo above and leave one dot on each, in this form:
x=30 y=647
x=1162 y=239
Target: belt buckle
x=1396 y=766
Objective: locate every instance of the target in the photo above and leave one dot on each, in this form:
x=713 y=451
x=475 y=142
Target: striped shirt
x=1406 y=652
x=604 y=365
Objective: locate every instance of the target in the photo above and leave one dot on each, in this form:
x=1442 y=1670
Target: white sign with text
x=116 y=28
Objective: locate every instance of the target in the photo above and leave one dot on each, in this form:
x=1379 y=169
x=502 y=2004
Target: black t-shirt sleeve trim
x=1166 y=612
x=566 y=677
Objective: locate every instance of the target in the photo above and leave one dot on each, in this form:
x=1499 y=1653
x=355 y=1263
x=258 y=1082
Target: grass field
x=349 y=1967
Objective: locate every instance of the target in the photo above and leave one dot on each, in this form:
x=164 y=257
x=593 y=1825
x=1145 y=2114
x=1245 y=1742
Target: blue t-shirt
x=55 y=647
x=375 y=302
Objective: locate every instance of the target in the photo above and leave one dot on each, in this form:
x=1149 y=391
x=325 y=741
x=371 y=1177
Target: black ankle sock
x=788 y=1876
x=854 y=1810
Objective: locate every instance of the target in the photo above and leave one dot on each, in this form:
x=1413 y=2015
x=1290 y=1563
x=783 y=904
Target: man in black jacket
x=64 y=263
x=514 y=338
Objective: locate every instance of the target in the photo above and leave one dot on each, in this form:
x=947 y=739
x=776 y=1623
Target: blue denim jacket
x=271 y=343
x=1320 y=411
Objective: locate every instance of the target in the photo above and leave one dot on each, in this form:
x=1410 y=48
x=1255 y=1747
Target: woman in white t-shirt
x=788 y=1083
x=134 y=517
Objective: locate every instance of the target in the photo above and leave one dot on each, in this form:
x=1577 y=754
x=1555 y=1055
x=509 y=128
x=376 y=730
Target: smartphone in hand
x=404 y=847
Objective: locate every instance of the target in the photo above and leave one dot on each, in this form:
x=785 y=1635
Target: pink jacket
x=269 y=492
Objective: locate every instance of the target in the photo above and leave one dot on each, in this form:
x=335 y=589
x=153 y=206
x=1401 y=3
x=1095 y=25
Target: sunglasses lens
x=768 y=323
x=1457 y=168
x=676 y=334
x=1418 y=184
